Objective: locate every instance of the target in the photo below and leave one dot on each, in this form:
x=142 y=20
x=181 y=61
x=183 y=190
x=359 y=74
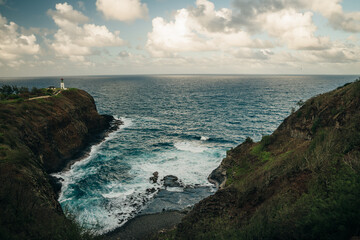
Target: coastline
x=94 y=139
x=218 y=177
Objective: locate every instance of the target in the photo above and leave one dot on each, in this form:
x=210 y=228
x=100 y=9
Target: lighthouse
x=62 y=85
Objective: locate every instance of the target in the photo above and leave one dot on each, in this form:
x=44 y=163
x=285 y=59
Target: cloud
x=124 y=54
x=2 y=2
x=339 y=53
x=122 y=10
x=75 y=38
x=168 y=38
x=66 y=17
x=209 y=18
x=198 y=29
x=13 y=45
x=248 y=10
x=247 y=53
x=277 y=35
x=295 y=29
x=333 y=11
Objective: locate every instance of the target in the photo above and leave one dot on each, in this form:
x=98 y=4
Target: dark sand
x=142 y=227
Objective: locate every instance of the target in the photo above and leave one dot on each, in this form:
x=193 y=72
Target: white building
x=62 y=85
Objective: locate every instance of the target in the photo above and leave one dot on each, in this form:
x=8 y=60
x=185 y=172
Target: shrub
x=267 y=140
x=249 y=140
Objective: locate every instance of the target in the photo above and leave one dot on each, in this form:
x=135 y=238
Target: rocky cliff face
x=39 y=137
x=301 y=182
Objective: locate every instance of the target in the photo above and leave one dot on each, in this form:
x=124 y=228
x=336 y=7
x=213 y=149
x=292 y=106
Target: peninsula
x=37 y=138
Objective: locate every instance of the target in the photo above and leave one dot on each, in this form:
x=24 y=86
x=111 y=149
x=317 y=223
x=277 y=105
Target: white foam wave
x=76 y=171
x=174 y=189
x=192 y=164
x=118 y=194
x=116 y=202
x=204 y=138
x=190 y=147
x=127 y=122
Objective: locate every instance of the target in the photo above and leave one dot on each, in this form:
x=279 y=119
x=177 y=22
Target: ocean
x=179 y=125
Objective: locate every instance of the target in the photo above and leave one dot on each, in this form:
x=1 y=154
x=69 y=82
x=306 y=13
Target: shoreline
x=218 y=177
x=94 y=139
x=145 y=226
x=142 y=226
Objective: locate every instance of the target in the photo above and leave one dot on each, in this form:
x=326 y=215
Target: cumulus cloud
x=13 y=45
x=122 y=10
x=339 y=53
x=198 y=29
x=256 y=33
x=293 y=28
x=75 y=37
x=333 y=11
x=209 y=18
x=248 y=10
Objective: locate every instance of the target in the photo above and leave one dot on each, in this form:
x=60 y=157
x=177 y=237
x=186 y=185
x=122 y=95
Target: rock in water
x=172 y=181
x=155 y=177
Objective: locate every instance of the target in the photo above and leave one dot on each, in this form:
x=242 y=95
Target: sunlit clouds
x=14 y=46
x=122 y=10
x=203 y=36
x=75 y=38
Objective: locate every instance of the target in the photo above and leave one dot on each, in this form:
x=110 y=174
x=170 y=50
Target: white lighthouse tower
x=62 y=85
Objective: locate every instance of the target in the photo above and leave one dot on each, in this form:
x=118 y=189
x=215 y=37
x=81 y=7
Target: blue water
x=178 y=125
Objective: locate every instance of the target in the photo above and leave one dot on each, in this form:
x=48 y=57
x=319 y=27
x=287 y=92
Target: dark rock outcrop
x=218 y=177
x=172 y=181
x=154 y=177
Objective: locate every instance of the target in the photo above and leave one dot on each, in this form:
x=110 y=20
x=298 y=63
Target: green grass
x=259 y=150
x=18 y=100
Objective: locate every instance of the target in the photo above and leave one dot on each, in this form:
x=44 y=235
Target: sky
x=111 y=37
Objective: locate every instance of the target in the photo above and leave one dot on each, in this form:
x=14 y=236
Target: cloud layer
x=198 y=29
x=122 y=10
x=13 y=45
x=75 y=38
x=288 y=33
x=251 y=36
x=249 y=10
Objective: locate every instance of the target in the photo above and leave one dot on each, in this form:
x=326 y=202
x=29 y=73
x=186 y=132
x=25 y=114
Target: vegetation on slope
x=36 y=138
x=15 y=93
x=301 y=182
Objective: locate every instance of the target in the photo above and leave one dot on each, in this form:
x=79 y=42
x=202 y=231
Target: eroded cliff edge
x=39 y=137
x=301 y=182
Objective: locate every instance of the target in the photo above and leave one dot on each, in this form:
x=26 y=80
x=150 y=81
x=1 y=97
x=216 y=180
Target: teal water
x=178 y=125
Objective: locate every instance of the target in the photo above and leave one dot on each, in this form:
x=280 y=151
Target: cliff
x=301 y=182
x=39 y=137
